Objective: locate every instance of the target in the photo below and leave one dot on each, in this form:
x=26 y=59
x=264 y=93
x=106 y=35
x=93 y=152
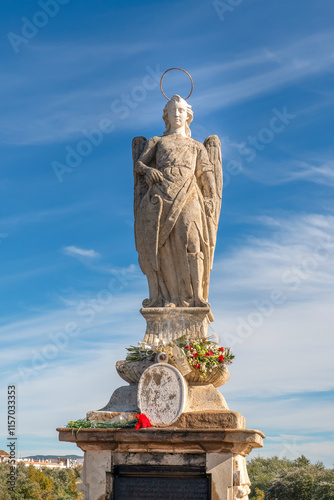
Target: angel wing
x=213 y=147
x=140 y=185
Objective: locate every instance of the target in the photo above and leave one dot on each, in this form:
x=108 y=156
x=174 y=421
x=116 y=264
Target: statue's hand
x=152 y=176
x=209 y=207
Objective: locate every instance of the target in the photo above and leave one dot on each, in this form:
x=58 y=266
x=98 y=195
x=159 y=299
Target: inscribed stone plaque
x=160 y=483
x=161 y=393
x=163 y=488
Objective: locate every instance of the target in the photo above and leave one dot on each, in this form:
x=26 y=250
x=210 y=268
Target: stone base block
x=199 y=398
x=135 y=476
x=223 y=419
x=168 y=464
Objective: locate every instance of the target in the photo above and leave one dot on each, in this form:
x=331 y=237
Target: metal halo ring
x=184 y=71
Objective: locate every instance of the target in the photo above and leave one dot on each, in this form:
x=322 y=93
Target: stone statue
x=177 y=201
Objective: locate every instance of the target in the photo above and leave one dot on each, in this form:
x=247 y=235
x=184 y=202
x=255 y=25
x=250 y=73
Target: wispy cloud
x=44 y=215
x=318 y=171
x=272 y=69
x=274 y=173
x=262 y=166
x=286 y=242
x=247 y=76
x=80 y=252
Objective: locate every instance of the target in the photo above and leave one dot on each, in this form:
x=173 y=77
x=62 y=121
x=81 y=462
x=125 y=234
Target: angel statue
x=177 y=201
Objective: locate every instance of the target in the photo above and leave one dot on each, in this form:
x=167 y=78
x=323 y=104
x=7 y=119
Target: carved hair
x=190 y=114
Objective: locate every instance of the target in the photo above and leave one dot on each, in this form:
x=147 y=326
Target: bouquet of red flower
x=205 y=355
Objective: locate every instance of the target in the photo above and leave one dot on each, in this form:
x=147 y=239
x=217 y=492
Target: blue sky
x=71 y=287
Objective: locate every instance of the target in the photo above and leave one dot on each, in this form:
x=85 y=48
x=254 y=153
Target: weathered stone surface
x=131 y=372
x=161 y=394
x=178 y=191
x=166 y=440
x=167 y=324
x=123 y=399
x=241 y=481
x=93 y=476
x=223 y=419
x=218 y=377
x=202 y=398
x=222 y=451
x=220 y=466
x=110 y=416
x=97 y=477
x=159 y=459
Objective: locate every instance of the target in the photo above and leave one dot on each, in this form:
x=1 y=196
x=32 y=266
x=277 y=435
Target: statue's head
x=177 y=113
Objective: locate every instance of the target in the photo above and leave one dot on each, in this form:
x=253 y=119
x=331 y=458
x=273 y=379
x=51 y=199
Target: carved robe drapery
x=171 y=219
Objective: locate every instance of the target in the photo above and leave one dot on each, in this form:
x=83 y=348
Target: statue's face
x=177 y=114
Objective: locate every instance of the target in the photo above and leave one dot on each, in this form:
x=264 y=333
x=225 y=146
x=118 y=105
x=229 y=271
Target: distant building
x=4 y=456
x=61 y=463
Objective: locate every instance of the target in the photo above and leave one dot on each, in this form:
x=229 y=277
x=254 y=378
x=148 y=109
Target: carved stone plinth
x=165 y=440
x=168 y=323
x=118 y=460
x=193 y=419
x=198 y=398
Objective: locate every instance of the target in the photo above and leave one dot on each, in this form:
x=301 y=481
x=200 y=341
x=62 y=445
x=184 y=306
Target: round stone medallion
x=161 y=393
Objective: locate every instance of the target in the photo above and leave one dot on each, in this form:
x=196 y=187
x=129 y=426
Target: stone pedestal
x=166 y=464
x=198 y=454
x=169 y=323
x=124 y=400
